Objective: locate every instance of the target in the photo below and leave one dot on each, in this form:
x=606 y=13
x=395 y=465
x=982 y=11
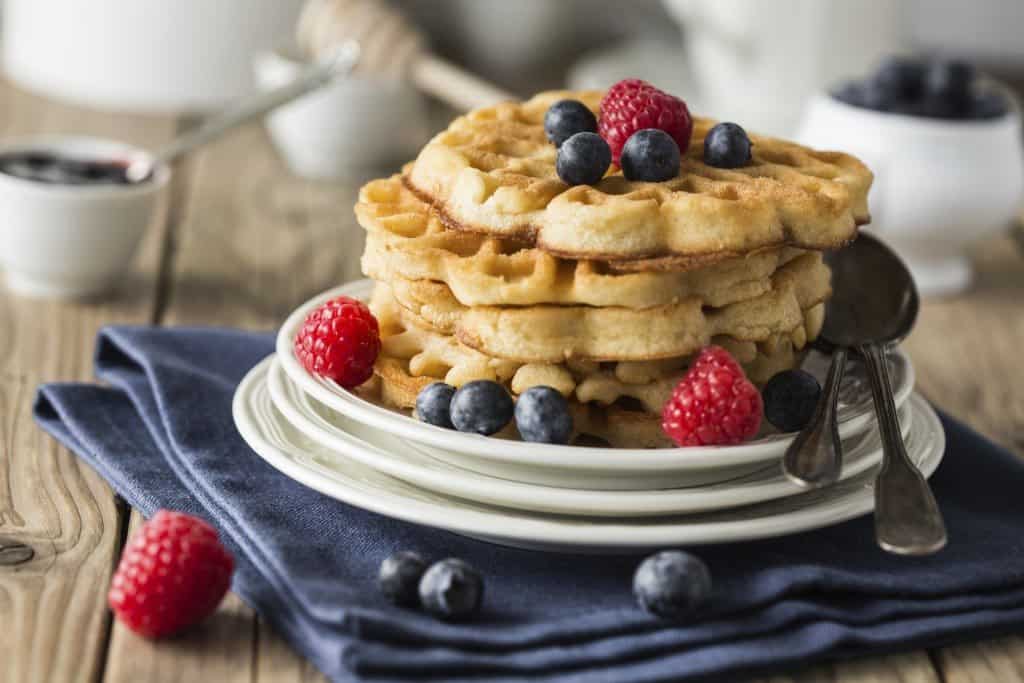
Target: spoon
x=875 y=304
x=340 y=60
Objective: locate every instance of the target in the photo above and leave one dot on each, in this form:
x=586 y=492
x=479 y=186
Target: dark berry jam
x=52 y=169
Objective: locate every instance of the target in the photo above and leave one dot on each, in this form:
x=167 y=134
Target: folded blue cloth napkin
x=161 y=433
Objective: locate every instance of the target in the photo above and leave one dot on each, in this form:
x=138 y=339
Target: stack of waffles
x=488 y=266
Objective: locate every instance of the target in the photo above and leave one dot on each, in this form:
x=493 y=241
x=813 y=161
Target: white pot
x=147 y=55
x=69 y=241
x=353 y=128
x=939 y=184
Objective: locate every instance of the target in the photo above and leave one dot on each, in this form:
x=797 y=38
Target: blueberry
x=542 y=415
x=565 y=118
x=481 y=407
x=900 y=78
x=583 y=159
x=726 y=146
x=790 y=398
x=672 y=583
x=851 y=93
x=399 y=578
x=433 y=405
x=989 y=105
x=650 y=155
x=451 y=589
x=947 y=88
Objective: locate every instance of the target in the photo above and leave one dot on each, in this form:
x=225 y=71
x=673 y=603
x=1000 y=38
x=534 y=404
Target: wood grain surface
x=243 y=244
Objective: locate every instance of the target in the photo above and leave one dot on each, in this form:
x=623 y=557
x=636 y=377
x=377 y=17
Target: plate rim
x=550 y=532
x=524 y=495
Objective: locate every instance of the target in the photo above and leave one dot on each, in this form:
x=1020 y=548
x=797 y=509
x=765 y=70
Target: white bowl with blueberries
x=945 y=147
x=73 y=219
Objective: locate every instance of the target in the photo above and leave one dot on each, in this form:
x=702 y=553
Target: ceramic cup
x=939 y=184
x=345 y=130
x=71 y=241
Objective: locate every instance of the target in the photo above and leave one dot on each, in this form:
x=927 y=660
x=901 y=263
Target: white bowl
x=142 y=55
x=939 y=184
x=566 y=466
x=63 y=241
x=349 y=129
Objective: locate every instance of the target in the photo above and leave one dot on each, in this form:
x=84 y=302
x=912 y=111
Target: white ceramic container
x=939 y=184
x=348 y=129
x=142 y=55
x=68 y=241
x=347 y=480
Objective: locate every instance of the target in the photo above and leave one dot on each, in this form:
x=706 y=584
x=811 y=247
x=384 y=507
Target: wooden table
x=241 y=244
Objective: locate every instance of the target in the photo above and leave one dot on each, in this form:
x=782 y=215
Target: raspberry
x=633 y=105
x=713 y=404
x=339 y=340
x=173 y=574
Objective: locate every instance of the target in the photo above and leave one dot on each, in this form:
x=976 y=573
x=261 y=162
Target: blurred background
x=773 y=66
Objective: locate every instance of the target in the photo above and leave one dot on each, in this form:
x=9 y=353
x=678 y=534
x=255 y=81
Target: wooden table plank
x=54 y=617
x=253 y=243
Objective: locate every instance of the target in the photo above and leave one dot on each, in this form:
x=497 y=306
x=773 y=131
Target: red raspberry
x=633 y=105
x=340 y=340
x=714 y=404
x=173 y=574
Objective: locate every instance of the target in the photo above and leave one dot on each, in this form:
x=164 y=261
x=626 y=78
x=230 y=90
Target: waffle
x=552 y=334
x=619 y=403
x=406 y=239
x=493 y=172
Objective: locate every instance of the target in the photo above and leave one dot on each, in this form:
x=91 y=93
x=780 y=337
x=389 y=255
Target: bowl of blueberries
x=944 y=143
x=73 y=216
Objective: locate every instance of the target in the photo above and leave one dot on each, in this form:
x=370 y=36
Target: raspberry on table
x=339 y=340
x=631 y=105
x=713 y=404
x=173 y=573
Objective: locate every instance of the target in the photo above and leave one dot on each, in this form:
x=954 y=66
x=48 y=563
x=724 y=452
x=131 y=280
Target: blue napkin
x=161 y=433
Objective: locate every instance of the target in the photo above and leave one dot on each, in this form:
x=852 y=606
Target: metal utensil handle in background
x=339 y=62
x=907 y=518
x=815 y=458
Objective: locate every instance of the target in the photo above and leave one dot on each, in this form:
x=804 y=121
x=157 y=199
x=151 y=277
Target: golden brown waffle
x=617 y=402
x=493 y=172
x=552 y=334
x=406 y=238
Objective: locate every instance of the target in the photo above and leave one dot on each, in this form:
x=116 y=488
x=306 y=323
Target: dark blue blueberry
x=399 y=578
x=989 y=105
x=542 y=415
x=650 y=155
x=947 y=88
x=481 y=407
x=900 y=78
x=565 y=118
x=583 y=159
x=672 y=583
x=790 y=398
x=727 y=146
x=851 y=93
x=451 y=589
x=433 y=404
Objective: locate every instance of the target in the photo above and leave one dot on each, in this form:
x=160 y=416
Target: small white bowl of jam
x=72 y=220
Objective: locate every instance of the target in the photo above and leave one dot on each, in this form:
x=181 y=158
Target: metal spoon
x=338 y=62
x=875 y=304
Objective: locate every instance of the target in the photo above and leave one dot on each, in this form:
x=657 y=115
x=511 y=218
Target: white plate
x=391 y=455
x=299 y=457
x=578 y=466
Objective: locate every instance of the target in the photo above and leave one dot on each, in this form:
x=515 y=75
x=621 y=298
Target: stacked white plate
x=566 y=498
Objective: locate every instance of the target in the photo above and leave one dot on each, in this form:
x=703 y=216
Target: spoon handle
x=907 y=518
x=815 y=458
